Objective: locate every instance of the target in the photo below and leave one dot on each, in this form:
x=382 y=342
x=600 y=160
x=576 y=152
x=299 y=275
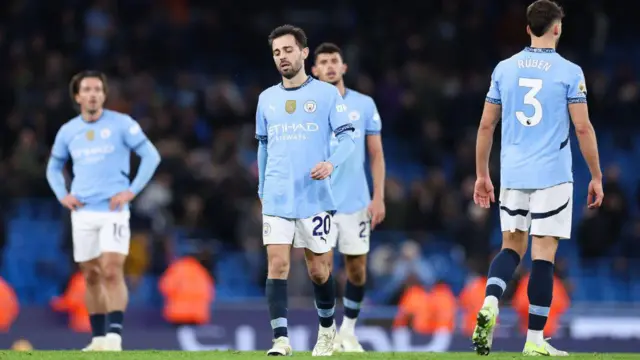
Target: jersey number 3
x=534 y=86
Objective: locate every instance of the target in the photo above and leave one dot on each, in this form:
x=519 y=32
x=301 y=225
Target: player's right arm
x=586 y=134
x=55 y=167
x=483 y=193
x=262 y=136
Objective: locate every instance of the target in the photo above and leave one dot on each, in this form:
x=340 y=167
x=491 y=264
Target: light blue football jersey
x=349 y=181
x=535 y=88
x=297 y=124
x=101 y=154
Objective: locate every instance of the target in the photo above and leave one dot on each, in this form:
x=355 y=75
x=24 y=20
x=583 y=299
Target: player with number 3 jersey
x=537 y=93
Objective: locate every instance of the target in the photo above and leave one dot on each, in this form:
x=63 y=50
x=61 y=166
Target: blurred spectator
x=426 y=312
x=73 y=303
x=9 y=306
x=188 y=291
x=471 y=300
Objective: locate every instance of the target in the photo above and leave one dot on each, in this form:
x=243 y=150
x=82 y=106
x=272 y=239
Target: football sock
x=500 y=273
x=115 y=322
x=540 y=291
x=277 y=298
x=325 y=295
x=98 y=324
x=354 y=294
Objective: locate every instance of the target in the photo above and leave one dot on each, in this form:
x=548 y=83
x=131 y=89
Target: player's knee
x=516 y=241
x=356 y=270
x=278 y=267
x=544 y=248
x=113 y=272
x=319 y=271
x=92 y=273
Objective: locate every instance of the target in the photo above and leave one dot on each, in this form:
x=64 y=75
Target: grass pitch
x=240 y=355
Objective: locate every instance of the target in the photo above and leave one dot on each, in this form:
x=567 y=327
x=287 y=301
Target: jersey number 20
x=534 y=86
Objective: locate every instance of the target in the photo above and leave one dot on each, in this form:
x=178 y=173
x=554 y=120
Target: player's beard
x=293 y=71
x=92 y=109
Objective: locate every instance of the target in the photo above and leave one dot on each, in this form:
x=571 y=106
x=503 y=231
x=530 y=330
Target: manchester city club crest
x=91 y=135
x=290 y=106
x=266 y=229
x=105 y=133
x=310 y=106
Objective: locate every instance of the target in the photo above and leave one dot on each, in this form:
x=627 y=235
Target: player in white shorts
x=294 y=123
x=357 y=214
x=537 y=93
x=99 y=143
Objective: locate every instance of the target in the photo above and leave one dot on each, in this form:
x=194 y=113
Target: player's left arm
x=138 y=142
x=343 y=130
x=376 y=158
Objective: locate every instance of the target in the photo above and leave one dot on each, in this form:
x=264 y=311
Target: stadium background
x=190 y=71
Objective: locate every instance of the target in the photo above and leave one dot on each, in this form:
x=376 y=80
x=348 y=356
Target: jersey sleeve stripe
x=344 y=128
x=493 y=101
x=137 y=146
x=564 y=143
x=577 y=100
x=262 y=138
x=372 y=132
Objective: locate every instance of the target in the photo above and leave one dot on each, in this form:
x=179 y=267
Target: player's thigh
x=315 y=233
x=85 y=233
x=115 y=233
x=277 y=237
x=514 y=210
x=277 y=230
x=354 y=231
x=551 y=211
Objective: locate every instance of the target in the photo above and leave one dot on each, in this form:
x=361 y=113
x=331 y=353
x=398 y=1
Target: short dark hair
x=328 y=48
x=296 y=32
x=74 y=84
x=541 y=15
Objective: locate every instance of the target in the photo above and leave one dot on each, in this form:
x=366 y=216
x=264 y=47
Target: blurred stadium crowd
x=190 y=72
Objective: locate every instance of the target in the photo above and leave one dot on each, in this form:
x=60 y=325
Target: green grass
x=239 y=355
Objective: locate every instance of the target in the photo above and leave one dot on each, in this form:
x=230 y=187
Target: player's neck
x=341 y=88
x=91 y=117
x=543 y=43
x=296 y=81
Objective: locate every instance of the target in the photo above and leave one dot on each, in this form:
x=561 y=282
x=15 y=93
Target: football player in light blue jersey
x=537 y=93
x=294 y=123
x=99 y=142
x=357 y=214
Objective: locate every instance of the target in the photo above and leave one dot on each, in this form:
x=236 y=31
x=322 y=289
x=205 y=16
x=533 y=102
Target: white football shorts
x=95 y=233
x=543 y=212
x=352 y=232
x=313 y=233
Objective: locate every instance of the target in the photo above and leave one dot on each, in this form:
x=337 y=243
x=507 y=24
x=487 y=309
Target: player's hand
x=595 y=194
x=322 y=171
x=377 y=212
x=71 y=202
x=483 y=192
x=120 y=200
